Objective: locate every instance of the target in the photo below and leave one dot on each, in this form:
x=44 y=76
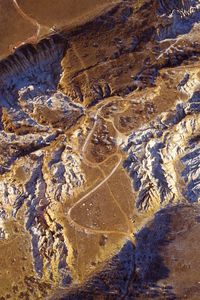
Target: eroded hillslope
x=99 y=150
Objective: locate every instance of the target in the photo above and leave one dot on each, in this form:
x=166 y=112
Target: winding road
x=79 y=227
x=33 y=21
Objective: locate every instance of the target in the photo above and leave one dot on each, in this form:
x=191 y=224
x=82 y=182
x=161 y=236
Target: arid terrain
x=100 y=155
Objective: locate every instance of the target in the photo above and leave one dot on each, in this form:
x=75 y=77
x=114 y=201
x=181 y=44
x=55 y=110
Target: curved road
x=104 y=181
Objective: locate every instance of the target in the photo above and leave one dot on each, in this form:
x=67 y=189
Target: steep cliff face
x=38 y=66
x=158 y=151
x=100 y=150
x=178 y=17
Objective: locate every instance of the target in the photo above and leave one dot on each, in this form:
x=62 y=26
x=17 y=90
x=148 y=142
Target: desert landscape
x=100 y=153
